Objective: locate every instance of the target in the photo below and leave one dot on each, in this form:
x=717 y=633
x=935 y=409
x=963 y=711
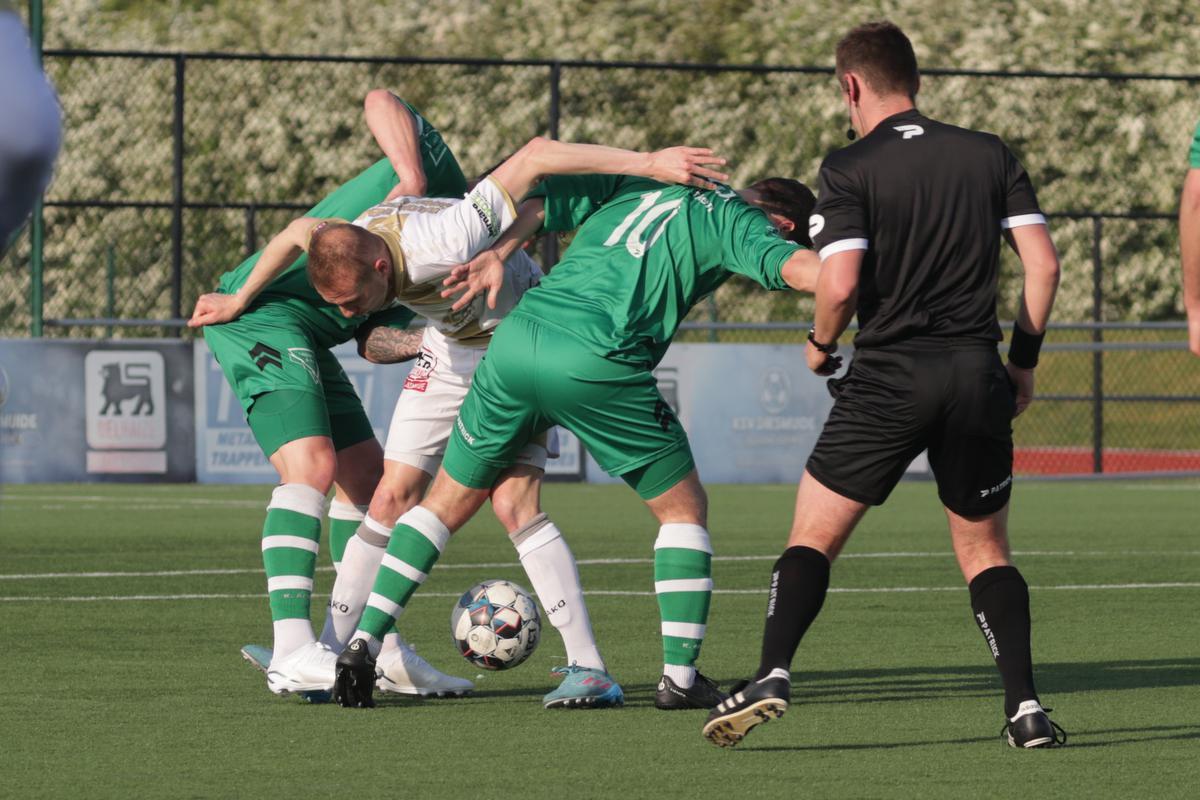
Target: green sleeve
x=1195 y=154
x=571 y=199
x=398 y=317
x=753 y=247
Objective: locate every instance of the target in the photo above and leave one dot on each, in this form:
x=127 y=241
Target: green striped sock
x=344 y=519
x=417 y=541
x=683 y=584
x=290 y=540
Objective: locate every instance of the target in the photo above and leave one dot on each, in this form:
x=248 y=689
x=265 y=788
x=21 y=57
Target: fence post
x=110 y=289
x=37 y=230
x=550 y=243
x=1098 y=354
x=177 y=198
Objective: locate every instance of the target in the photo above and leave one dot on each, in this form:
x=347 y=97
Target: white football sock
x=355 y=577
x=683 y=676
x=551 y=569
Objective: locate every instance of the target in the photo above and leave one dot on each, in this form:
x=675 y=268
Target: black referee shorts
x=954 y=399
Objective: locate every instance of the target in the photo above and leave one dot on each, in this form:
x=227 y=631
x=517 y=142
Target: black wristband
x=827 y=349
x=1024 y=347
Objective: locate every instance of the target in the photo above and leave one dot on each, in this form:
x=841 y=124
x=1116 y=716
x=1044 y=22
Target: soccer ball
x=495 y=625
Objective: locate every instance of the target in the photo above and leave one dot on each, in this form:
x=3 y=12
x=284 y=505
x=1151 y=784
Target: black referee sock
x=1000 y=600
x=798 y=585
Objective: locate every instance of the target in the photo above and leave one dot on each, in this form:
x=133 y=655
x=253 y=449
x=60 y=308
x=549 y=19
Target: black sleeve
x=1020 y=200
x=839 y=221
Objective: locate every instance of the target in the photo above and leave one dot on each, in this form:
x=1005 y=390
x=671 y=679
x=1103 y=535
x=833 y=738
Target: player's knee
x=392 y=499
x=515 y=507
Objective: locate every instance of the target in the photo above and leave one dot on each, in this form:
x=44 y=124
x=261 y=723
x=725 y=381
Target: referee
x=908 y=225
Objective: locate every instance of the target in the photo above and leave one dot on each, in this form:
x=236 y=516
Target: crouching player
x=579 y=352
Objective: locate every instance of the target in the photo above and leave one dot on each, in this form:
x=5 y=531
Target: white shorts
x=433 y=392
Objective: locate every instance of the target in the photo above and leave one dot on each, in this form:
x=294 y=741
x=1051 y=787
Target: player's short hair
x=789 y=198
x=340 y=253
x=883 y=55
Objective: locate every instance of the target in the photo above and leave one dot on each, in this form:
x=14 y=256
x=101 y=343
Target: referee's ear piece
x=851 y=95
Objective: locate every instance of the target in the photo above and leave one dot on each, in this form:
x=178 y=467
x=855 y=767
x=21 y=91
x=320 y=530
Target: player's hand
x=409 y=186
x=824 y=364
x=484 y=272
x=1023 y=384
x=687 y=165
x=215 y=308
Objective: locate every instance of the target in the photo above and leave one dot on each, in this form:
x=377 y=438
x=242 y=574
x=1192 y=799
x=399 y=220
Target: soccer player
x=399 y=252
x=579 y=352
x=908 y=226
x=272 y=338
x=1189 y=244
x=30 y=125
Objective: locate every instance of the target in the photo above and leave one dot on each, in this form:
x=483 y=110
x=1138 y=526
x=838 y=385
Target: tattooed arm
x=380 y=344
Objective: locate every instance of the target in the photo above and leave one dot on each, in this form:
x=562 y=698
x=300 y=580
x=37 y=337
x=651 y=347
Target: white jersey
x=428 y=236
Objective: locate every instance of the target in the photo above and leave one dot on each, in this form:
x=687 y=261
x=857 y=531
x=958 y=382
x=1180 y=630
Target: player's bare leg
x=1000 y=604
x=823 y=522
x=550 y=565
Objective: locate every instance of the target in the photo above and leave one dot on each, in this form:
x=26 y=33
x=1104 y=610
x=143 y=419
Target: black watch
x=827 y=349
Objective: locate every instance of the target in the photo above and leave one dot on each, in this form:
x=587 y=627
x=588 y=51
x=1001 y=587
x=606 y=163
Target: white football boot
x=310 y=668
x=400 y=670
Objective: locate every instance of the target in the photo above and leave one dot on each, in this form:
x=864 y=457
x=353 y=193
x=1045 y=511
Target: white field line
x=602 y=593
x=586 y=562
x=9 y=496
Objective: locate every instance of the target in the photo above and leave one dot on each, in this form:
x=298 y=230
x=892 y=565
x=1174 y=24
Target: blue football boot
x=584 y=688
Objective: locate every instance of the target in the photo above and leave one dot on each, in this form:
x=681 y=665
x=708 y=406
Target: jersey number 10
x=642 y=238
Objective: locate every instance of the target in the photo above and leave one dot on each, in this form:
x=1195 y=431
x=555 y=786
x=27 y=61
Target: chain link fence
x=175 y=166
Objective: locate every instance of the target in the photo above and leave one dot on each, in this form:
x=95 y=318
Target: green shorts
x=289 y=387
x=535 y=376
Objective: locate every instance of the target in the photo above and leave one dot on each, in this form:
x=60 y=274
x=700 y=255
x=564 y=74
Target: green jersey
x=328 y=327
x=1195 y=154
x=645 y=253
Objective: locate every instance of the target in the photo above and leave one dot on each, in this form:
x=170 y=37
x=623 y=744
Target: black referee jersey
x=927 y=202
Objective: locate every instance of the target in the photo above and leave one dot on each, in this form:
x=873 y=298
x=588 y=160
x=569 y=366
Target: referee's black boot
x=750 y=704
x=355 y=681
x=1031 y=727
x=703 y=693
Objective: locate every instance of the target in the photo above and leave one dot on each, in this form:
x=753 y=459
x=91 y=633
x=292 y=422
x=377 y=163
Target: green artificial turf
x=894 y=691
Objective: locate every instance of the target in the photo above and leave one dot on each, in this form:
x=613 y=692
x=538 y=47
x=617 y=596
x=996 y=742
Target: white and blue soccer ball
x=495 y=624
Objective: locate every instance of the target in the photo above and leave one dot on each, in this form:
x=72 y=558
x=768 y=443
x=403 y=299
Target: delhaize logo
x=126 y=411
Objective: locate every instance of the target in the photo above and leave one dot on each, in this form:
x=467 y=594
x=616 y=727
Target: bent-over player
x=579 y=352
x=272 y=337
x=399 y=252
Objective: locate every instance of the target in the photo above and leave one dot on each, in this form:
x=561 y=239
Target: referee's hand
x=824 y=364
x=1022 y=380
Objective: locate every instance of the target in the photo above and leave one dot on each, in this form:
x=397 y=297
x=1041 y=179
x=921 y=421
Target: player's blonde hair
x=340 y=254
